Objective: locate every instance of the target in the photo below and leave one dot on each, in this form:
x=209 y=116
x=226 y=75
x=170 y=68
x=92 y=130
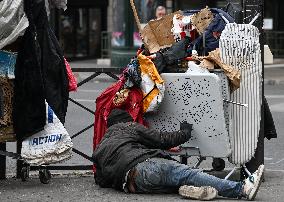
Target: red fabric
x=71 y=77
x=183 y=35
x=104 y=104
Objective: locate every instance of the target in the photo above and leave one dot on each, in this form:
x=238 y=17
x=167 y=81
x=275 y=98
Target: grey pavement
x=83 y=188
x=274 y=73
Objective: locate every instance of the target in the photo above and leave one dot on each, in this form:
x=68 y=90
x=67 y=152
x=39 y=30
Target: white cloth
x=13 y=21
x=195 y=69
x=240 y=47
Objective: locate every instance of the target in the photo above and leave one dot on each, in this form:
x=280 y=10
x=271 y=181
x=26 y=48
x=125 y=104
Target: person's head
x=118 y=116
x=160 y=12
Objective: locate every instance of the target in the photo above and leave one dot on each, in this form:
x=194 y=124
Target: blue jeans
x=158 y=175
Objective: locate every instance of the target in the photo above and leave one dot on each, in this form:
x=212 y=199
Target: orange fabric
x=147 y=101
x=147 y=67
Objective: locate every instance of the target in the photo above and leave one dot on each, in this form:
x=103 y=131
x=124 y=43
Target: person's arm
x=164 y=140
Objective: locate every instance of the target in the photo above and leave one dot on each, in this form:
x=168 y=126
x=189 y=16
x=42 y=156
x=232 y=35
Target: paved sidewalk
x=83 y=188
x=274 y=75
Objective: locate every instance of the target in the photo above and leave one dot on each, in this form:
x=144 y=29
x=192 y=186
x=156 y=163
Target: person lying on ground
x=132 y=158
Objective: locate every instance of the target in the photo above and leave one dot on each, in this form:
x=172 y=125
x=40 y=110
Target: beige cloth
x=7 y=134
x=7 y=88
x=207 y=64
x=202 y=19
x=233 y=74
x=6 y=123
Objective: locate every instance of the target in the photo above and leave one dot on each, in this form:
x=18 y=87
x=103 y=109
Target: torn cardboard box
x=202 y=19
x=214 y=56
x=157 y=33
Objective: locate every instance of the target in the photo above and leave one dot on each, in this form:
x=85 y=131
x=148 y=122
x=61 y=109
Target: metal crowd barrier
x=111 y=72
x=2 y=162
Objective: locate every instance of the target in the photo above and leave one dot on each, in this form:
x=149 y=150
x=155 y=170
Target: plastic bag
x=72 y=79
x=51 y=145
x=13 y=21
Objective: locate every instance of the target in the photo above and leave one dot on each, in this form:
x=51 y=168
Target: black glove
x=186 y=128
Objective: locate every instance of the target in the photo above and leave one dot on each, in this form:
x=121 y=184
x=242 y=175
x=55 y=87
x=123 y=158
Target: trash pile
x=184 y=42
x=170 y=43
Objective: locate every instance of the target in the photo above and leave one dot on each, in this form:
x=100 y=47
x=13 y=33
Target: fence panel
x=111 y=72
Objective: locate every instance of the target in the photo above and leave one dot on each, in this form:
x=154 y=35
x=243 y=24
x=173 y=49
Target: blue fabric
x=133 y=74
x=158 y=175
x=7 y=64
x=217 y=25
x=214 y=11
x=50 y=115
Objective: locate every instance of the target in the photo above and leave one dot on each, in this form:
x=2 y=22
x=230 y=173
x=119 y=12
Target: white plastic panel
x=198 y=100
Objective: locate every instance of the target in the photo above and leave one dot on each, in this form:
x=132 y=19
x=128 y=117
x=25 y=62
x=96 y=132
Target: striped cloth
x=240 y=48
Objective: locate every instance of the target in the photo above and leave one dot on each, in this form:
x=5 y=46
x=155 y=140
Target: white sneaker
x=205 y=193
x=252 y=183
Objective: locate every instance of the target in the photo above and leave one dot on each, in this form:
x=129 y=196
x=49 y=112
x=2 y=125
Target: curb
x=34 y=174
x=280 y=65
x=273 y=82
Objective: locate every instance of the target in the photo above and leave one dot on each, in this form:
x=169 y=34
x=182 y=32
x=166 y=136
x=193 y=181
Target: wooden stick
x=136 y=15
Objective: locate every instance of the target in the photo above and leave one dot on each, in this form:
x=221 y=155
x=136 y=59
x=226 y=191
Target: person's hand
x=186 y=128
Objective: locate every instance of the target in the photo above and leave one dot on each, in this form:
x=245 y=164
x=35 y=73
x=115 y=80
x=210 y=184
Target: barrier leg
x=19 y=163
x=2 y=162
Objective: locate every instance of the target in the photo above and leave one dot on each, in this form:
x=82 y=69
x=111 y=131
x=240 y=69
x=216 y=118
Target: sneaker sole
x=200 y=193
x=255 y=190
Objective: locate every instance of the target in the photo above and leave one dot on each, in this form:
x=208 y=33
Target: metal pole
x=19 y=163
x=2 y=162
x=129 y=24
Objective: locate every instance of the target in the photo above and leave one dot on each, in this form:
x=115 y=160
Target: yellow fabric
x=148 y=67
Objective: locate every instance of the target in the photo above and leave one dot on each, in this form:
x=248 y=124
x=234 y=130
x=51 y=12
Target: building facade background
x=89 y=26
